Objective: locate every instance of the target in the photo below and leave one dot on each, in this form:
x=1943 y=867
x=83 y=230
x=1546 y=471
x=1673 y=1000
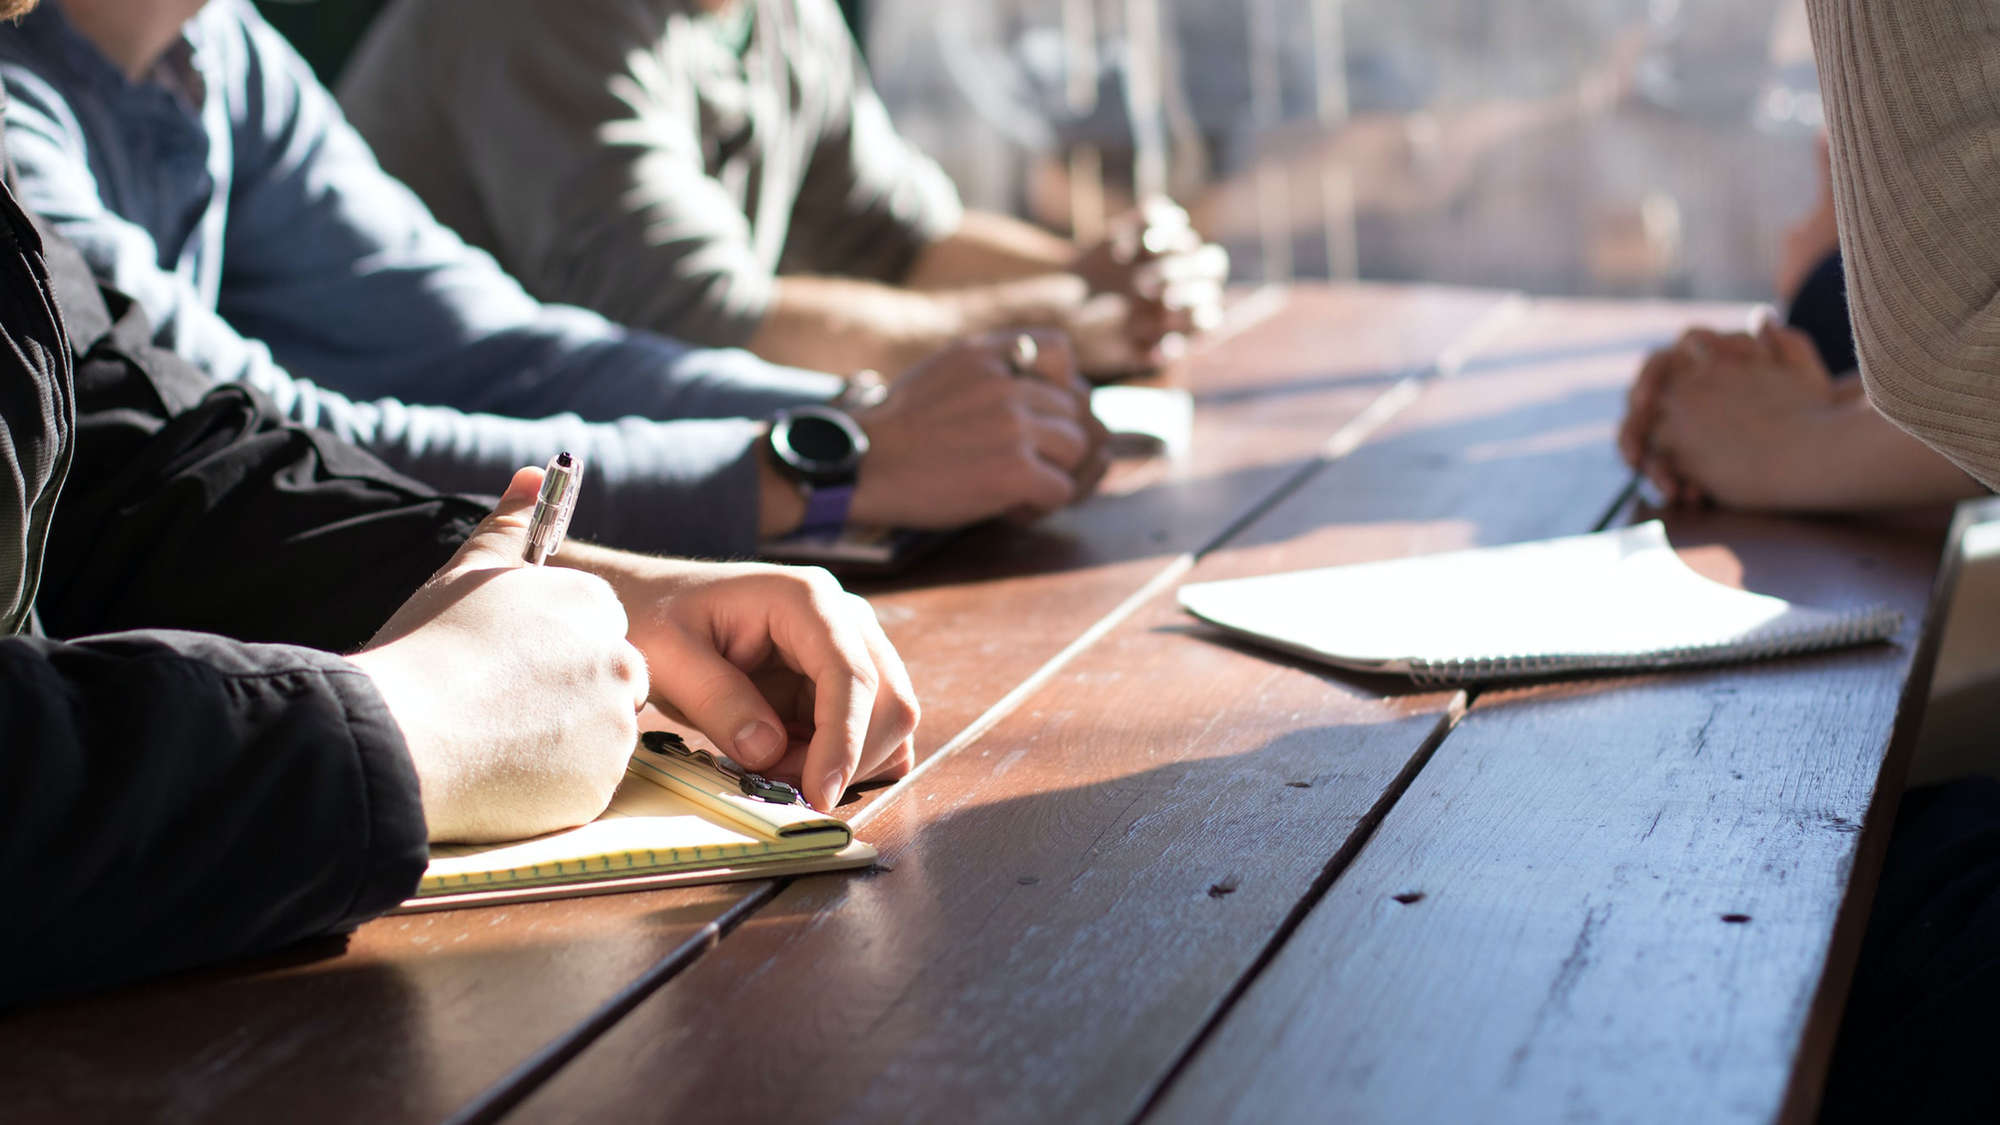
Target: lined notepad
x=668 y=817
x=1614 y=601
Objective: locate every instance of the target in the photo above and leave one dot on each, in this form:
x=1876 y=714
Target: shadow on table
x=1288 y=386
x=1398 y=477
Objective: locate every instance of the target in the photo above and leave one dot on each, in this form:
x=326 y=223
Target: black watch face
x=821 y=446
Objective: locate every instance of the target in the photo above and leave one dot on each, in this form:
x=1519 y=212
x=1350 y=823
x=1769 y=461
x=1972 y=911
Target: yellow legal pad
x=670 y=822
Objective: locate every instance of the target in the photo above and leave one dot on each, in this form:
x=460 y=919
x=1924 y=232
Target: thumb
x=717 y=698
x=1799 y=356
x=502 y=537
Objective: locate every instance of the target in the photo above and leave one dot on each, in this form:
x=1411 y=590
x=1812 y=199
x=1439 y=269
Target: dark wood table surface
x=1143 y=873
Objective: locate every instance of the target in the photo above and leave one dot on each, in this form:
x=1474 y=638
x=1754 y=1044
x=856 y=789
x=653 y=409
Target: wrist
x=424 y=741
x=1812 y=465
x=781 y=506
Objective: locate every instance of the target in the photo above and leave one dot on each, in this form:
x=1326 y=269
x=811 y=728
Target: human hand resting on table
x=778 y=666
x=1154 y=282
x=1741 y=419
x=962 y=438
x=515 y=688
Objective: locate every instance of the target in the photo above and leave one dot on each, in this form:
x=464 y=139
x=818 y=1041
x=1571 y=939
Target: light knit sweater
x=1912 y=91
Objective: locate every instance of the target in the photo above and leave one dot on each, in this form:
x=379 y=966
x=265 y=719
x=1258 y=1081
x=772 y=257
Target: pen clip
x=669 y=744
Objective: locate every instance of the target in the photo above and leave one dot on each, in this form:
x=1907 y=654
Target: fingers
x=845 y=685
x=1203 y=268
x=1054 y=361
x=717 y=697
x=1062 y=430
x=891 y=748
x=502 y=537
x=1039 y=488
x=1799 y=357
x=1060 y=441
x=1764 y=327
x=1190 y=307
x=1642 y=405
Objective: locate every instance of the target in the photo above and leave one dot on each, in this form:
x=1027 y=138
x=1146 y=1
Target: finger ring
x=1024 y=354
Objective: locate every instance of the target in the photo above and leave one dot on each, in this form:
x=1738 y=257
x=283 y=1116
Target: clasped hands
x=517 y=688
x=1737 y=419
x=1153 y=282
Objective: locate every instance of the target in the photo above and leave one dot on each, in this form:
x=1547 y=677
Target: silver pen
x=554 y=505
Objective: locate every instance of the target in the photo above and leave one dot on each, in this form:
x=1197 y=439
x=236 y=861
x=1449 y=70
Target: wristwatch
x=820 y=448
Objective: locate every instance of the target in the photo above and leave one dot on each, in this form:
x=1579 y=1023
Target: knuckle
x=860 y=606
x=1017 y=424
x=626 y=666
x=903 y=712
x=820 y=586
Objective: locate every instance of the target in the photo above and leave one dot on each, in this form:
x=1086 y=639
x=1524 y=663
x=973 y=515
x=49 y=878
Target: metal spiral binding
x=1873 y=623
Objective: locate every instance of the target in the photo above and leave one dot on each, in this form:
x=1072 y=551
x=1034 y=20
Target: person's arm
x=1754 y=421
x=1910 y=104
x=687 y=487
x=988 y=247
x=847 y=324
x=620 y=213
x=690 y=487
x=351 y=281
x=171 y=799
x=1870 y=463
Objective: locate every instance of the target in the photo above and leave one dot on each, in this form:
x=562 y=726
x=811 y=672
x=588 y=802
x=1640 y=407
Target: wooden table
x=1146 y=874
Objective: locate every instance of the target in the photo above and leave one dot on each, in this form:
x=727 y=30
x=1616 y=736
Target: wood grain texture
x=415 y=1016
x=1071 y=899
x=1607 y=900
x=978 y=619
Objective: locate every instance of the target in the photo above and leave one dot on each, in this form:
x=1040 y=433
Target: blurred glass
x=1616 y=147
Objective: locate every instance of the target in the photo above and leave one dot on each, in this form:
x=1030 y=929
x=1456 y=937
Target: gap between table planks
x=414 y=1016
x=1069 y=901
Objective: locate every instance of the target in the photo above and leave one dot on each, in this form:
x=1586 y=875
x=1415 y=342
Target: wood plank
x=1610 y=899
x=414 y=1016
x=1001 y=601
x=1070 y=899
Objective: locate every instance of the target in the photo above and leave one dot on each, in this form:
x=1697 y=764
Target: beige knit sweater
x=1912 y=91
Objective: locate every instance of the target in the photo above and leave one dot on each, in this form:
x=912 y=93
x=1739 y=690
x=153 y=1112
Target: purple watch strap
x=826 y=509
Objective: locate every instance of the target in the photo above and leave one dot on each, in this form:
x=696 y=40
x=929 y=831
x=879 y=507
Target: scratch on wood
x=1655 y=824
x=1701 y=735
x=1567 y=974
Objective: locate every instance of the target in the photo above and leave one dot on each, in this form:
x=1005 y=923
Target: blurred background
x=1605 y=147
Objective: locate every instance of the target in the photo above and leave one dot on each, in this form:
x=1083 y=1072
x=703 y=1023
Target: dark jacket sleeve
x=195 y=506
x=174 y=799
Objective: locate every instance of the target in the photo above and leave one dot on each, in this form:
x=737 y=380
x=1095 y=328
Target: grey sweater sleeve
x=567 y=137
x=682 y=488
x=507 y=381
x=579 y=142
x=1913 y=105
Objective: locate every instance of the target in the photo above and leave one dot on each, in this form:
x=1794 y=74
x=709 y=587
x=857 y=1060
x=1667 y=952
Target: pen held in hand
x=554 y=506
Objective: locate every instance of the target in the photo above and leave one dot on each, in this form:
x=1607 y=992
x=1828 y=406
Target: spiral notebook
x=671 y=822
x=1614 y=601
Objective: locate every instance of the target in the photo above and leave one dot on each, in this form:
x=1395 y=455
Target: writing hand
x=514 y=686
